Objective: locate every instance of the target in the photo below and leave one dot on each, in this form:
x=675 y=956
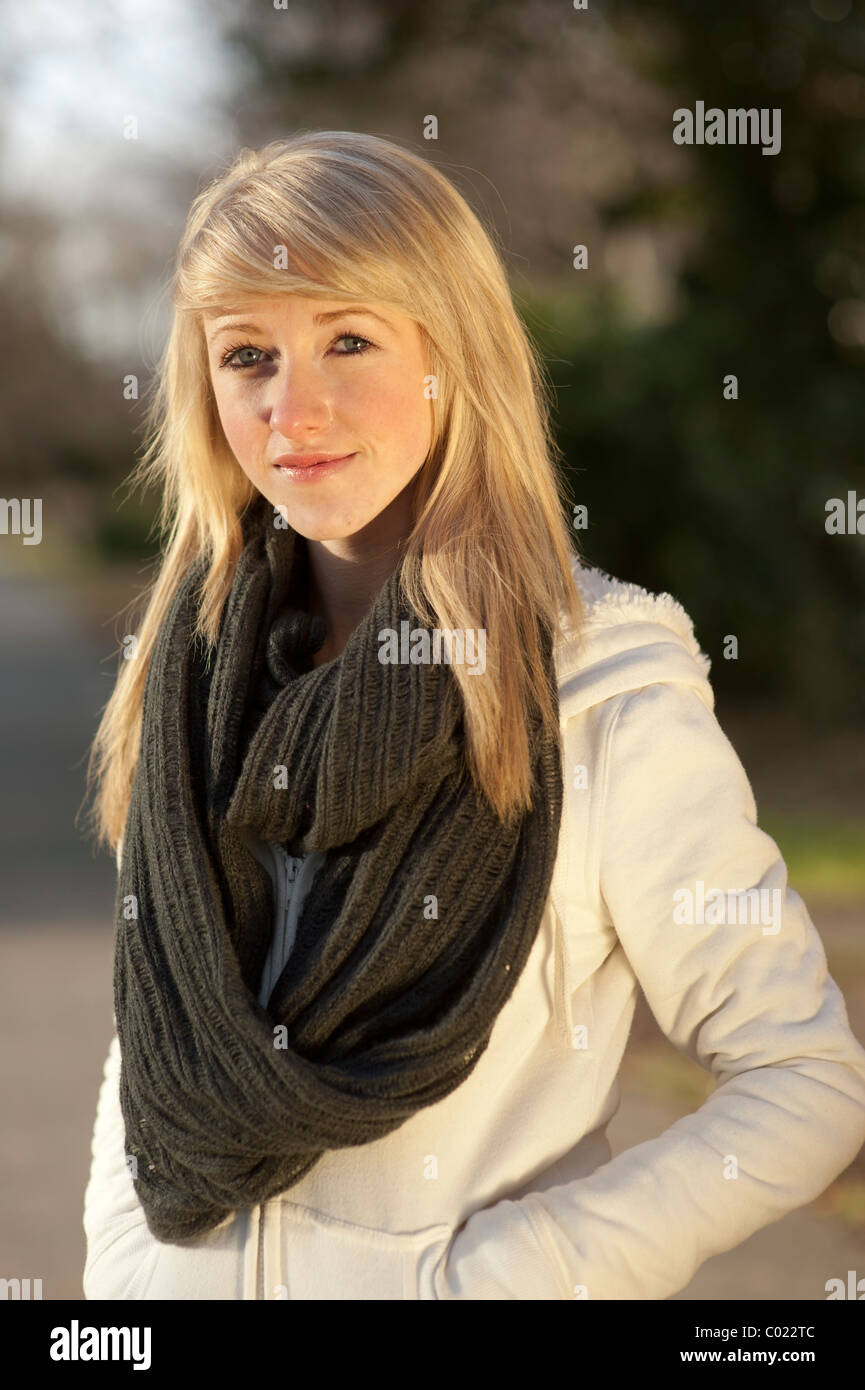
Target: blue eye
x=227 y=358
x=358 y=339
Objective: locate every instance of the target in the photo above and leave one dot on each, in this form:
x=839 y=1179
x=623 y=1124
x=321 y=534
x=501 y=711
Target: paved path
x=56 y=908
x=50 y=1069
x=53 y=682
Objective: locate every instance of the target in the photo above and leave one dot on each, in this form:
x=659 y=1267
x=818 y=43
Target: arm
x=111 y=1208
x=758 y=1009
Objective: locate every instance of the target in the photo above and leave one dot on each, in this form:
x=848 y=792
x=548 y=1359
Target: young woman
x=406 y=801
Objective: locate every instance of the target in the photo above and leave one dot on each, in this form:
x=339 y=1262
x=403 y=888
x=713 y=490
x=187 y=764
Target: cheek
x=237 y=419
x=387 y=407
x=397 y=413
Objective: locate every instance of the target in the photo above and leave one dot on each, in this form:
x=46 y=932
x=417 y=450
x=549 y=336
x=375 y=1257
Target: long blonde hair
x=340 y=214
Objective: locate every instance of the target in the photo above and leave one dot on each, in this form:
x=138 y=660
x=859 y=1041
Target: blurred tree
x=723 y=501
x=703 y=261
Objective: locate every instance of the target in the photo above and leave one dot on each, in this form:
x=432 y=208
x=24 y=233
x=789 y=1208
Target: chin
x=314 y=524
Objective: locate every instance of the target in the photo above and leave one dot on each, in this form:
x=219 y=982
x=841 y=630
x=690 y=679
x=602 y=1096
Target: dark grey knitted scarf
x=415 y=931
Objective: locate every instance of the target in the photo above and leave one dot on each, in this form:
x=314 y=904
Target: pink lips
x=308 y=466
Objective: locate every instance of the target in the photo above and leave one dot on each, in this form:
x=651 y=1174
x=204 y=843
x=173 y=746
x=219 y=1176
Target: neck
x=345 y=575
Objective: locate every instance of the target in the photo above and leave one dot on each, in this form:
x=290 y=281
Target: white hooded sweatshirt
x=505 y=1189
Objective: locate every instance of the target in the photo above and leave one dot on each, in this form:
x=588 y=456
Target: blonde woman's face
x=300 y=376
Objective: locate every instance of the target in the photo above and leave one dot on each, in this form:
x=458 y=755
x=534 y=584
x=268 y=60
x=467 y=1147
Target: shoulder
x=629 y=638
x=611 y=602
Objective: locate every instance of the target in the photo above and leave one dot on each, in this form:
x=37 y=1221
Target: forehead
x=306 y=308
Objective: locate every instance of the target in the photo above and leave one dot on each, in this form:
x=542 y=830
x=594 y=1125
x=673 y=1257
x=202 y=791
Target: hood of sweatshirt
x=629 y=638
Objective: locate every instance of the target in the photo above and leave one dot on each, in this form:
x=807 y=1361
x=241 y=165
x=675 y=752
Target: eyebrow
x=317 y=319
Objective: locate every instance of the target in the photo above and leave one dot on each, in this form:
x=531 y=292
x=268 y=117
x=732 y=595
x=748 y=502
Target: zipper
x=259 y=1291
x=289 y=880
x=281 y=881
x=284 y=880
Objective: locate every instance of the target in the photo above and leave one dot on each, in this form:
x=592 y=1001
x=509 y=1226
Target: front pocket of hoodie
x=311 y=1255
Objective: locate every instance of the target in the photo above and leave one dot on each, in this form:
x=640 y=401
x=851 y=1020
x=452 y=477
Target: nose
x=301 y=403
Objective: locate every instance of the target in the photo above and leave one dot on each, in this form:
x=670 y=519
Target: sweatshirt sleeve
x=114 y=1222
x=747 y=995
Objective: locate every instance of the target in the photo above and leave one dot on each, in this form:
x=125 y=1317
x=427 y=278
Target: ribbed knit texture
x=387 y=1004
